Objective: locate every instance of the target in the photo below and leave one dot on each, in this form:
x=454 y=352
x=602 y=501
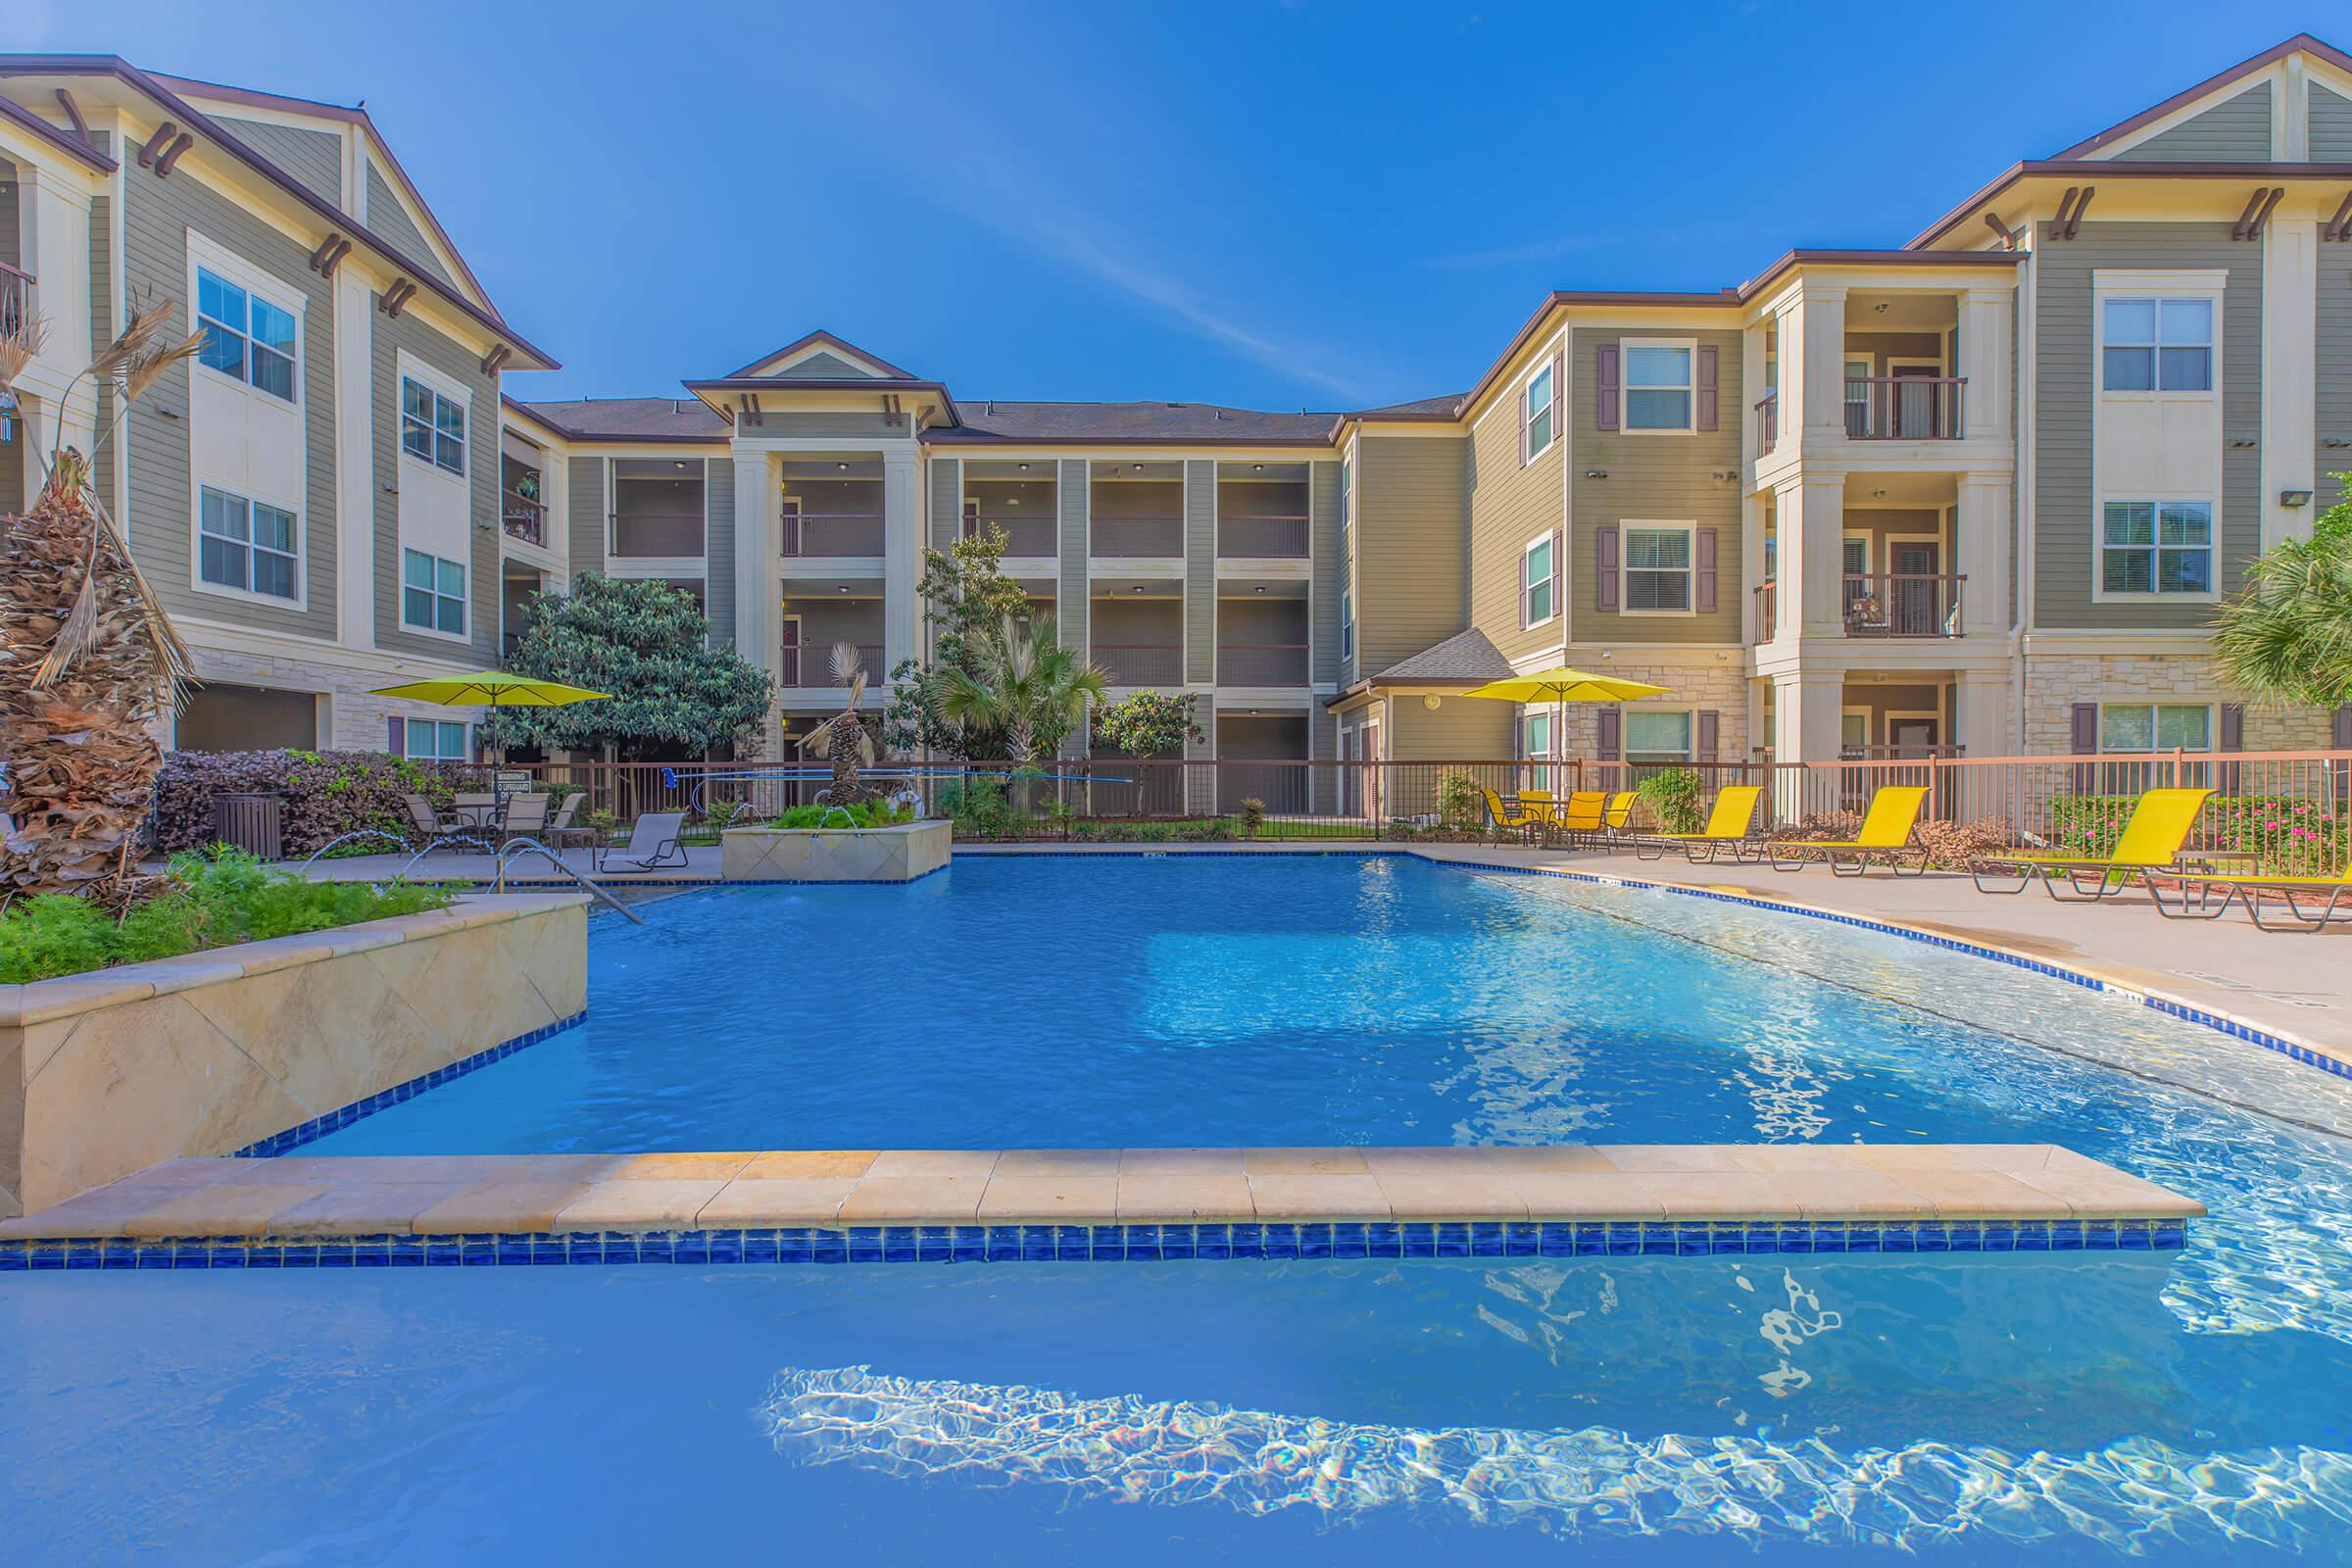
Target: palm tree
x=846 y=738
x=1024 y=684
x=2287 y=636
x=89 y=664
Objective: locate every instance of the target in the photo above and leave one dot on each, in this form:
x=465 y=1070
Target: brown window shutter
x=1523 y=424
x=1605 y=391
x=1604 y=568
x=1702 y=571
x=2233 y=726
x=1611 y=727
x=2340 y=729
x=1710 y=389
x=1710 y=731
x=396 y=730
x=2086 y=730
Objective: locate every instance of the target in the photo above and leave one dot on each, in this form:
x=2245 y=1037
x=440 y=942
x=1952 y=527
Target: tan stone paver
x=1529 y=1157
x=1994 y=1195
x=762 y=1203
x=1640 y=1158
x=100 y=1211
x=932 y=1163
x=637 y=1203
x=1586 y=1194
x=914 y=1201
x=362 y=1208
x=501 y=1206
x=1179 y=1162
x=1068 y=1198
x=1452 y=1195
x=1304 y=1163
x=219 y=1211
x=1057 y=1163
x=679 y=1167
x=799 y=1164
x=1175 y=1198
x=1285 y=1196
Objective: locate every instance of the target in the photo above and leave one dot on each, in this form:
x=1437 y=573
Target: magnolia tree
x=967 y=601
x=1149 y=724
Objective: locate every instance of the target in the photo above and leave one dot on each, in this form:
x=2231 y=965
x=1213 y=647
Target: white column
x=1811 y=514
x=353 y=332
x=1751 y=388
x=1807 y=708
x=1752 y=555
x=1980 y=551
x=1985 y=331
x=902 y=555
x=1983 y=722
x=1820 y=326
x=2290 y=273
x=758 y=574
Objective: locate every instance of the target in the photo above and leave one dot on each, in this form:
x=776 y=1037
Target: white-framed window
x=1658 y=735
x=247 y=546
x=433 y=593
x=1535 y=730
x=2155 y=727
x=1346 y=623
x=246 y=337
x=432 y=425
x=2156 y=548
x=1656 y=566
x=1541 y=402
x=1854 y=731
x=2156 y=344
x=1539 y=583
x=1659 y=390
x=435 y=740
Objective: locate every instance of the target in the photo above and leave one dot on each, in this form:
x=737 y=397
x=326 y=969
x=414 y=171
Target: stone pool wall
x=105 y=1074
x=835 y=855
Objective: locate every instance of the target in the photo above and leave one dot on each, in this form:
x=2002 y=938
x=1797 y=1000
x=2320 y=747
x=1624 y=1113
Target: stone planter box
x=107 y=1073
x=834 y=853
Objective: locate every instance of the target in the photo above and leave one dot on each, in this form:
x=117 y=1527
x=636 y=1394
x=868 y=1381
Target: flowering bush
x=327 y=793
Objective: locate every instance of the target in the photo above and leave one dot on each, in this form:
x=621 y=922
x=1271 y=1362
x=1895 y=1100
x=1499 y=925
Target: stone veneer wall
x=2055 y=682
x=105 y=1074
x=1722 y=687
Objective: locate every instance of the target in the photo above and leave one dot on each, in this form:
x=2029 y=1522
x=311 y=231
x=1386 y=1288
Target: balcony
x=1261 y=664
x=809 y=665
x=657 y=510
x=15 y=298
x=830 y=533
x=1131 y=538
x=1768 y=422
x=1261 y=538
x=1142 y=664
x=1262 y=511
x=523 y=517
x=1889 y=604
x=1023 y=536
x=1903 y=408
x=1768 y=609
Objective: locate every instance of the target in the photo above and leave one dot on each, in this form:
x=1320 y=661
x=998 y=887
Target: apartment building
x=1979 y=492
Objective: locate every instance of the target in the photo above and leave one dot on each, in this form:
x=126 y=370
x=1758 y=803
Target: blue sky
x=1273 y=204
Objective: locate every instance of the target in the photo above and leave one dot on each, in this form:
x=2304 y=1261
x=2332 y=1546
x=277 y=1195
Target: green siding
x=946 y=501
x=2330 y=127
x=2333 y=404
x=102 y=331
x=1323 y=510
x=1200 y=572
x=314 y=158
x=821 y=366
x=389 y=218
x=2236 y=131
x=587 y=518
x=1461 y=729
x=718 y=546
x=1411 y=567
x=1070 y=610
x=453 y=361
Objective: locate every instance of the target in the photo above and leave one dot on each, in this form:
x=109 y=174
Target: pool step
x=920 y=1204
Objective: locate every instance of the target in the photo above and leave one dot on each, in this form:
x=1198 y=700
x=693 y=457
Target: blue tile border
x=1102 y=1243
x=319 y=1127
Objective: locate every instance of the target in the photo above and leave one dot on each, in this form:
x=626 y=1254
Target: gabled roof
x=1439 y=407
x=651 y=419
x=2300 y=43
x=989 y=420
x=66 y=142
x=817 y=339
x=1465 y=659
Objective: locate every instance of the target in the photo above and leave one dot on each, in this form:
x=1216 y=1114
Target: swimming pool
x=1664 y=1410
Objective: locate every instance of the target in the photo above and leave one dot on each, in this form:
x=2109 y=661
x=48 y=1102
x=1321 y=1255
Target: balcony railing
x=1130 y=537
x=1142 y=664
x=1768 y=609
x=1898 y=603
x=15 y=299
x=1768 y=422
x=811 y=665
x=1903 y=408
x=524 y=517
x=1261 y=664
x=832 y=533
x=1023 y=536
x=1261 y=538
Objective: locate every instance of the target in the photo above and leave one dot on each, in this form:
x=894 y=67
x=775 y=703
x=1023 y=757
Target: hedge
x=2283 y=833
x=327 y=793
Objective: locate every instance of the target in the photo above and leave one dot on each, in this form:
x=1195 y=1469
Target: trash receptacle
x=250 y=822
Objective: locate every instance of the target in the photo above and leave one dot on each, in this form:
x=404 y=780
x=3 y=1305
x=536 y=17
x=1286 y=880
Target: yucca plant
x=847 y=739
x=2287 y=636
x=89 y=664
x=1024 y=685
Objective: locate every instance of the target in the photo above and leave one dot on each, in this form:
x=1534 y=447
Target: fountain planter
x=835 y=854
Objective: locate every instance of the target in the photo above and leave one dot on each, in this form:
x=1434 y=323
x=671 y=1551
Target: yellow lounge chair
x=2151 y=841
x=1508 y=820
x=1885 y=835
x=1726 y=828
x=1616 y=820
x=1582 y=816
x=2197 y=901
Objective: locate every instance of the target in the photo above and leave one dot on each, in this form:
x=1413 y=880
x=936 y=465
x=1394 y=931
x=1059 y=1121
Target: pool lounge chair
x=657 y=839
x=1885 y=835
x=1726 y=829
x=2151 y=841
x=2197 y=897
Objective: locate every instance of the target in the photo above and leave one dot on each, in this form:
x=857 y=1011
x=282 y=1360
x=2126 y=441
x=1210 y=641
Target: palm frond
x=20 y=348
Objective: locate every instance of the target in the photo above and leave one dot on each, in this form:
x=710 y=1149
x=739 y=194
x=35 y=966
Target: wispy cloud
x=1536 y=249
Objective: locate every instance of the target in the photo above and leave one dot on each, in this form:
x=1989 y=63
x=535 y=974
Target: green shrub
x=1461 y=799
x=865 y=813
x=1672 y=795
x=2283 y=834
x=1253 y=817
x=980 y=808
x=209 y=900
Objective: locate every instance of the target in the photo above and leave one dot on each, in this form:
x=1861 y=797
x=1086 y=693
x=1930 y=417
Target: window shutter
x=1604 y=568
x=1711 y=730
x=1604 y=394
x=2339 y=729
x=1559 y=401
x=2085 y=743
x=2233 y=727
x=1708 y=394
x=1559 y=577
x=1702 y=571
x=396 y=730
x=1612 y=728
x=1523 y=424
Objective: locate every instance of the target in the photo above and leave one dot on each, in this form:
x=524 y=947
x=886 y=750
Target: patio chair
x=657 y=839
x=1582 y=816
x=476 y=811
x=1617 y=819
x=1726 y=829
x=437 y=834
x=1515 y=820
x=2151 y=841
x=560 y=827
x=525 y=816
x=1885 y=835
x=2197 y=890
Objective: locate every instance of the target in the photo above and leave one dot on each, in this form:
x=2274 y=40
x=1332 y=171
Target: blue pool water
x=1976 y=1411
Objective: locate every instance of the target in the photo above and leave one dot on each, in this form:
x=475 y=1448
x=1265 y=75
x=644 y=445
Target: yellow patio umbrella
x=1560 y=684
x=492 y=688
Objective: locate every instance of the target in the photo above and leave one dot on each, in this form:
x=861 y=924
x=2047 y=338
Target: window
x=245 y=336
x=1656 y=736
x=2155 y=345
x=1657 y=386
x=1658 y=572
x=1347 y=623
x=432 y=428
x=1853 y=732
x=2155 y=727
x=1536 y=733
x=437 y=740
x=433 y=593
x=1856 y=566
x=2156 y=547
x=248 y=545
x=1539 y=583
x=1542 y=403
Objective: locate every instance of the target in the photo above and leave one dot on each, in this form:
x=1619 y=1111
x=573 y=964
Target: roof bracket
x=891 y=414
x=2071 y=208
x=81 y=126
x=496 y=358
x=747 y=405
x=171 y=154
x=2008 y=236
x=155 y=144
x=2340 y=225
x=395 y=297
x=2250 y=222
x=330 y=250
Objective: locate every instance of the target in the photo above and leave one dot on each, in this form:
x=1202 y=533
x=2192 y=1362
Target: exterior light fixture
x=2294 y=498
x=842 y=466
x=1024 y=468
x=1596 y=473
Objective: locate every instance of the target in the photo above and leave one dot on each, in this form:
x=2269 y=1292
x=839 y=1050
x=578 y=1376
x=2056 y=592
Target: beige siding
x=2330 y=127
x=1324 y=541
x=314 y=158
x=1655 y=478
x=1508 y=505
x=946 y=501
x=158 y=216
x=718 y=548
x=2234 y=130
x=1460 y=729
x=409 y=332
x=389 y=218
x=1412 y=569
x=2065 y=509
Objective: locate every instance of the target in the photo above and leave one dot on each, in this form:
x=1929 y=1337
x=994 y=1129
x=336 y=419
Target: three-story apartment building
x=1982 y=492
